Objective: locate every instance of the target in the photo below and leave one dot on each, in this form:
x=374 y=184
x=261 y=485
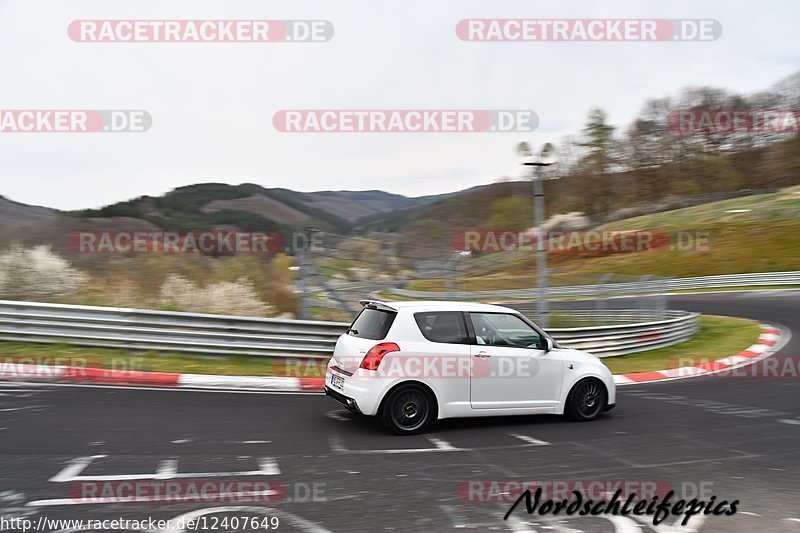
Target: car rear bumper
x=359 y=394
x=350 y=403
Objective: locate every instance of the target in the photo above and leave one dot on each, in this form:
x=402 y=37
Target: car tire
x=586 y=400
x=408 y=410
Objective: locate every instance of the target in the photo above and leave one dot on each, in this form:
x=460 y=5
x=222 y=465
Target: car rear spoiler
x=375 y=304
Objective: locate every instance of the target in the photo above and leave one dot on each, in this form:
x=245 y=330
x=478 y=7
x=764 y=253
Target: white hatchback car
x=412 y=363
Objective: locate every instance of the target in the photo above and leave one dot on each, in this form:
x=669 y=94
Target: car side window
x=442 y=326
x=504 y=329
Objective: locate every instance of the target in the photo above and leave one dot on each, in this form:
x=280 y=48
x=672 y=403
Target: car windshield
x=372 y=323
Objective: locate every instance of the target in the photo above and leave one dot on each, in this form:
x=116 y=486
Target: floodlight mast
x=548 y=156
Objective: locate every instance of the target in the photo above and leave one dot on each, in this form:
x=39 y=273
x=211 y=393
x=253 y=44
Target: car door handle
x=482 y=355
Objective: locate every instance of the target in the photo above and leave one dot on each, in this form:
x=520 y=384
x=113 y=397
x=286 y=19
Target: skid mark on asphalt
x=12 y=505
x=711 y=406
x=341 y=416
x=15 y=398
x=26 y=384
x=609 y=454
x=685 y=451
x=20 y=408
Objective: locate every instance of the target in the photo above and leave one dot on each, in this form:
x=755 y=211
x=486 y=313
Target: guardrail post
x=601 y=293
x=302 y=276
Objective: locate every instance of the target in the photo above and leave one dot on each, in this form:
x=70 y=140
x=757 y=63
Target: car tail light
x=375 y=355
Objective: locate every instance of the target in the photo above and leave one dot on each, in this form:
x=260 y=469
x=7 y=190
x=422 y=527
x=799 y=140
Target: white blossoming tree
x=37 y=274
x=235 y=298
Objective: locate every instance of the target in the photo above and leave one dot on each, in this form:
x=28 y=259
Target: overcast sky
x=212 y=104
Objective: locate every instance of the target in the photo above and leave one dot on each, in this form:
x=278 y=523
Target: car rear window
x=372 y=323
x=443 y=326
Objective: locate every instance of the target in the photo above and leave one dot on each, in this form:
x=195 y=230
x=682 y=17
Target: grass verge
x=151 y=361
x=718 y=337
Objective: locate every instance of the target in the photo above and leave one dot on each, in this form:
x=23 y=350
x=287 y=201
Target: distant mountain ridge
x=12 y=212
x=253 y=207
x=245 y=207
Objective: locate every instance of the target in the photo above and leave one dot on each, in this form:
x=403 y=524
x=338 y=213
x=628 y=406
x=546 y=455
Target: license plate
x=337 y=382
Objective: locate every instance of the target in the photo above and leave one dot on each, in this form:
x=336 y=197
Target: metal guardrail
x=139 y=329
x=662 y=330
x=611 y=289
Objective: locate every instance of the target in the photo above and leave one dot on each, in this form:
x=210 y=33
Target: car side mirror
x=548 y=344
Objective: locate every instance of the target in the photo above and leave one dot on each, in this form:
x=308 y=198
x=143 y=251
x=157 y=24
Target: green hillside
x=759 y=233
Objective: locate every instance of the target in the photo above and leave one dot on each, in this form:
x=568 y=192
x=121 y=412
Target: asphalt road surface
x=736 y=438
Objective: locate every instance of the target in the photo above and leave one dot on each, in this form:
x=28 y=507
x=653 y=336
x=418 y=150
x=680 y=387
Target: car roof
x=437 y=305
